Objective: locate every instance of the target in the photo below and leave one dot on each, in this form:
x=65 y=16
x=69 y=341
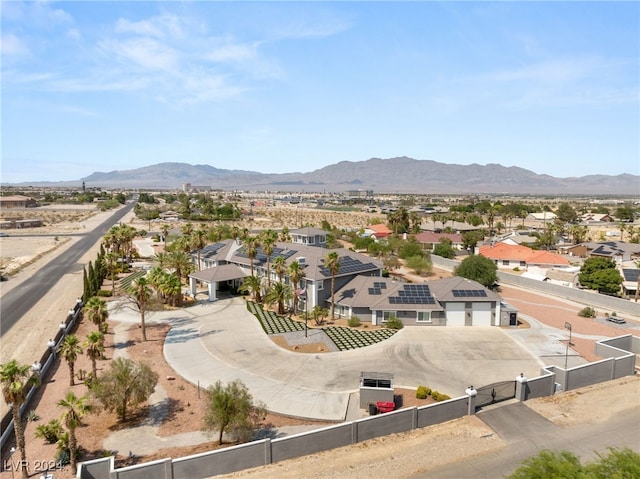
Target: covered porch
x=227 y=274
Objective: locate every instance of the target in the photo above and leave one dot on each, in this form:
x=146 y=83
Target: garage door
x=481 y=315
x=455 y=314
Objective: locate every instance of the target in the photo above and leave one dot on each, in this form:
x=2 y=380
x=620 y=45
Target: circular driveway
x=223 y=341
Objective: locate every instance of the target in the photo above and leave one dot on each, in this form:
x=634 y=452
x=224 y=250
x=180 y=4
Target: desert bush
x=50 y=432
x=423 y=392
x=587 y=312
x=103 y=293
x=32 y=416
x=354 y=321
x=394 y=323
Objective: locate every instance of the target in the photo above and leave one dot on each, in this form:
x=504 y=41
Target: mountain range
x=392 y=175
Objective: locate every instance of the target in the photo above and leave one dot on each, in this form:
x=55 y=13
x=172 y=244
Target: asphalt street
x=17 y=302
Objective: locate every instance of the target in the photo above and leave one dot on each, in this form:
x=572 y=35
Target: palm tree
x=332 y=263
x=296 y=274
x=199 y=241
x=187 y=229
x=279 y=294
x=164 y=229
x=17 y=379
x=252 y=285
x=280 y=267
x=140 y=293
x=161 y=258
x=251 y=248
x=268 y=240
x=111 y=260
x=96 y=311
x=95 y=349
x=70 y=349
x=284 y=235
x=74 y=409
x=181 y=263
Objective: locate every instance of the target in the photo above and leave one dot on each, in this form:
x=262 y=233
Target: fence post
x=267 y=451
x=521 y=388
x=472 y=393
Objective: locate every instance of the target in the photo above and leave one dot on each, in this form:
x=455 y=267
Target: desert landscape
x=178 y=431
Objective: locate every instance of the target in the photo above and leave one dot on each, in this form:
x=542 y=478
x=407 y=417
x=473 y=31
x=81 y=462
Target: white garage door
x=455 y=314
x=481 y=315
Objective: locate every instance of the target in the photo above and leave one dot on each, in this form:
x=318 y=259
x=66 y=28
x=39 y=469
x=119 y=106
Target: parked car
x=615 y=319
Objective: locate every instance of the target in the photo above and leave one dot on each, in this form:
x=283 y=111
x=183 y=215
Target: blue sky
x=280 y=87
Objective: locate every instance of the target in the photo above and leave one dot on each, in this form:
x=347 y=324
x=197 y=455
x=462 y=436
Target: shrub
x=435 y=395
x=394 y=323
x=103 y=293
x=354 y=321
x=587 y=312
x=423 y=392
x=50 y=432
x=32 y=416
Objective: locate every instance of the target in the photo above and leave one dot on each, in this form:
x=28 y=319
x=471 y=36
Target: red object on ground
x=384 y=406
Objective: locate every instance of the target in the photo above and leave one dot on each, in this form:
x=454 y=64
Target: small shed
x=375 y=387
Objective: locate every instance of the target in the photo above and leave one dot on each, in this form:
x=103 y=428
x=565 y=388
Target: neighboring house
x=445 y=302
x=511 y=256
x=379 y=231
x=630 y=282
x=519 y=238
x=596 y=218
x=225 y=264
x=544 y=216
x=438 y=226
x=429 y=239
x=577 y=250
x=169 y=216
x=17 y=201
x=619 y=251
x=567 y=277
x=309 y=236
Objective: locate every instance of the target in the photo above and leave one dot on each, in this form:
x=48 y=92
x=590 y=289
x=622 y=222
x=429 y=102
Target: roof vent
x=301 y=260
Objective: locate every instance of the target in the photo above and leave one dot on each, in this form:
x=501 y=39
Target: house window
x=320 y=285
x=505 y=262
x=523 y=263
x=386 y=315
x=424 y=317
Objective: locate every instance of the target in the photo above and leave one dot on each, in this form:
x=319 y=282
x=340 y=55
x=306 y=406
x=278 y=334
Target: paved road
x=527 y=433
x=21 y=299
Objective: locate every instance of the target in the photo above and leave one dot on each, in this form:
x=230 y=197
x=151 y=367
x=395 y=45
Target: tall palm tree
x=181 y=263
x=284 y=235
x=95 y=349
x=17 y=379
x=69 y=350
x=251 y=248
x=111 y=260
x=164 y=229
x=296 y=274
x=75 y=408
x=332 y=263
x=280 y=267
x=279 y=294
x=199 y=241
x=187 y=229
x=140 y=293
x=161 y=258
x=96 y=311
x=268 y=240
x=252 y=285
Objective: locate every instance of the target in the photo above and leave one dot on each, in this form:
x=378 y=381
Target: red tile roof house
x=429 y=239
x=378 y=231
x=511 y=256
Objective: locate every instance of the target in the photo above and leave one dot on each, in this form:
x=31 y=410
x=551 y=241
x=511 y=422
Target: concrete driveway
x=223 y=341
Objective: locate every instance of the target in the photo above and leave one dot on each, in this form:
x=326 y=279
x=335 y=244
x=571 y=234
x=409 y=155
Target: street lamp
x=63 y=327
x=567 y=325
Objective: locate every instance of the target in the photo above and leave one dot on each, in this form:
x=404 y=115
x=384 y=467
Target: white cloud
x=74 y=34
x=232 y=53
x=159 y=26
x=143 y=52
x=10 y=44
